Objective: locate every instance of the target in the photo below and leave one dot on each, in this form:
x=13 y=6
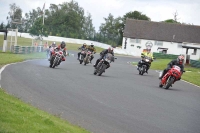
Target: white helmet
x=110 y=49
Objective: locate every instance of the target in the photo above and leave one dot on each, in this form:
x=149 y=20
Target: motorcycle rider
x=92 y=49
x=148 y=54
x=103 y=53
x=179 y=62
x=51 y=48
x=63 y=48
x=82 y=48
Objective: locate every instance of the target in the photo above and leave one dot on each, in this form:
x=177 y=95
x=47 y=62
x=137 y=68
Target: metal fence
x=26 y=49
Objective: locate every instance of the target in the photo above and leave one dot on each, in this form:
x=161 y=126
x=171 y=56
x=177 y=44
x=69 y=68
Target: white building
x=161 y=37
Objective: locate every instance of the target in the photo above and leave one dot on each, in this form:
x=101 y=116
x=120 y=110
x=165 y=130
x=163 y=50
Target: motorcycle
x=87 y=57
x=145 y=62
x=56 y=58
x=170 y=77
x=103 y=64
x=81 y=58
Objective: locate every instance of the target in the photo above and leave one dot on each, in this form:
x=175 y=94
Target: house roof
x=161 y=31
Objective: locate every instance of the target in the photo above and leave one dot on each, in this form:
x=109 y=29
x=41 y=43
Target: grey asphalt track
x=119 y=101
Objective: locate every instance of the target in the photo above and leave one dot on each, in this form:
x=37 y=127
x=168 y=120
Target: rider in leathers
x=82 y=48
x=61 y=47
x=51 y=48
x=103 y=53
x=92 y=49
x=179 y=62
x=148 y=54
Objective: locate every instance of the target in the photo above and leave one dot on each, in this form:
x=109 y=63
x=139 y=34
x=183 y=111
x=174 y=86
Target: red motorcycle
x=170 y=77
x=56 y=58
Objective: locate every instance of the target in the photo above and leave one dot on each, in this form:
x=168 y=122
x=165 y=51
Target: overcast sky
x=157 y=10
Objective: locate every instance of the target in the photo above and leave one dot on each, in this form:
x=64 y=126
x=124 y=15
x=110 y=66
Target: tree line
x=70 y=20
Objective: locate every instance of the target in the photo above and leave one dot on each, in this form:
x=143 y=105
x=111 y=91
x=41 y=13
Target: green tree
x=2 y=25
x=15 y=15
x=88 y=28
x=170 y=21
x=111 y=31
x=38 y=29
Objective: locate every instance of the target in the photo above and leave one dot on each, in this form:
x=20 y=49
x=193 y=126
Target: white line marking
x=1 y=70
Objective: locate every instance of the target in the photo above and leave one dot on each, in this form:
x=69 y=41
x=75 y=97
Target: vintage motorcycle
x=104 y=64
x=87 y=57
x=145 y=62
x=56 y=58
x=170 y=77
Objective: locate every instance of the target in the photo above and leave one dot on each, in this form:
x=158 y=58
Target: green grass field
x=21 y=41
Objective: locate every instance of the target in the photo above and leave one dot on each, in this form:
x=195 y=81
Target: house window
x=135 y=41
x=159 y=43
x=179 y=45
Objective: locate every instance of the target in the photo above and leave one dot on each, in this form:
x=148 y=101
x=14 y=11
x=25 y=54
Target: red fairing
x=53 y=52
x=60 y=52
x=89 y=52
x=174 y=71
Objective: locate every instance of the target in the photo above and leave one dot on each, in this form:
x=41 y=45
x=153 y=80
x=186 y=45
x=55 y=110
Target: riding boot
x=96 y=63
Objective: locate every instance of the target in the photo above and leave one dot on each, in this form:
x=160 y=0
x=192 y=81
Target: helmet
x=148 y=50
x=62 y=45
x=110 y=49
x=180 y=59
x=84 y=44
x=53 y=44
x=92 y=45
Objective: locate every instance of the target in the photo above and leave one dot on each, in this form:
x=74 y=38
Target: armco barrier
x=195 y=63
x=16 y=49
x=27 y=49
x=164 y=56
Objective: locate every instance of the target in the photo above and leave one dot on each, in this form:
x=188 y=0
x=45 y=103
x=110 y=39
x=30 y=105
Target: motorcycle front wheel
x=169 y=82
x=55 y=62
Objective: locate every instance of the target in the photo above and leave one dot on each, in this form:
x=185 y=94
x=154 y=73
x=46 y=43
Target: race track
x=119 y=101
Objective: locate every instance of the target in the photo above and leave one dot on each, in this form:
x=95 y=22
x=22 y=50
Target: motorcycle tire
x=55 y=62
x=102 y=69
x=51 y=62
x=160 y=85
x=95 y=72
x=169 y=81
x=81 y=61
x=85 y=60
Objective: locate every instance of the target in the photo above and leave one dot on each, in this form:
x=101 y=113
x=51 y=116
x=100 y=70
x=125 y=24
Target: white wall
x=172 y=48
x=59 y=39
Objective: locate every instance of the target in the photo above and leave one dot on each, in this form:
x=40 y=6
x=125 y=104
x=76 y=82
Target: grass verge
x=19 y=117
x=21 y=41
x=191 y=75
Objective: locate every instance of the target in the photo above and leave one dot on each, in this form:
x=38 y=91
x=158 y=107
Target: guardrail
x=26 y=49
x=164 y=56
x=195 y=63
